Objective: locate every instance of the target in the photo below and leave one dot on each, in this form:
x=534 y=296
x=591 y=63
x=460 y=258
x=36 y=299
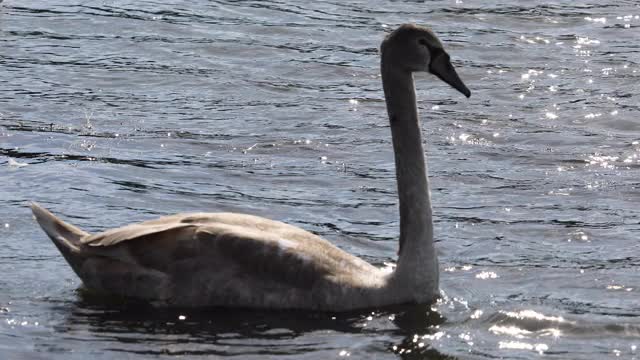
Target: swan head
x=412 y=48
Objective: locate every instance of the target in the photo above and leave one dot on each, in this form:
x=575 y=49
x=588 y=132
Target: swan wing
x=212 y=259
x=218 y=242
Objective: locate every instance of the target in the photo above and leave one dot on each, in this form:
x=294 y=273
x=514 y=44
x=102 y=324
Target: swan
x=238 y=260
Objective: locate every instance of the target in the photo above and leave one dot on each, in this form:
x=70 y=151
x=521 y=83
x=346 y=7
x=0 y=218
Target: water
x=114 y=111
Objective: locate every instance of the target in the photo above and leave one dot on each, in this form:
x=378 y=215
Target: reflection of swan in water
x=223 y=332
x=226 y=259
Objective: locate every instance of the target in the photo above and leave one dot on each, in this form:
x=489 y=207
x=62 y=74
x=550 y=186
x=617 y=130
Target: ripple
x=126 y=111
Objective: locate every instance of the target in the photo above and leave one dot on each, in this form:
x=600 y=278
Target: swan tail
x=66 y=237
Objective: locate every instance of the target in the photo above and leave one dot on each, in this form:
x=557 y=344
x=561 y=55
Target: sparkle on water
x=125 y=111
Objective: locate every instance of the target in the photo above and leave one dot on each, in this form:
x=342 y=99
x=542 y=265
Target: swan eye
x=423 y=42
x=435 y=52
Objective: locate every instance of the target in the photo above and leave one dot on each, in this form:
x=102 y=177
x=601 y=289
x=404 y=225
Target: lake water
x=117 y=111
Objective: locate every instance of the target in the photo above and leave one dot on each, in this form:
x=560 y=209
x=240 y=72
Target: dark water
x=122 y=111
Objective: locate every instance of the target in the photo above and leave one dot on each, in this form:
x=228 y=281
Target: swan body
x=238 y=260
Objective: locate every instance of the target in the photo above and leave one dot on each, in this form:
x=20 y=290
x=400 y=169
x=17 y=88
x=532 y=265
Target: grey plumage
x=238 y=260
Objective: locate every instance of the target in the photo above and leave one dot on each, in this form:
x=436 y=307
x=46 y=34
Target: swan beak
x=442 y=68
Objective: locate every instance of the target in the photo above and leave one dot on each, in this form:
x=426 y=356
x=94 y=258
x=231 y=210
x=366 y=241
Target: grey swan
x=238 y=260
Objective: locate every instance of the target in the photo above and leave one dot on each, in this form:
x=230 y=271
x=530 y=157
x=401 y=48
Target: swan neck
x=417 y=258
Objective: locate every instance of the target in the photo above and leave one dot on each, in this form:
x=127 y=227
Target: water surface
x=116 y=111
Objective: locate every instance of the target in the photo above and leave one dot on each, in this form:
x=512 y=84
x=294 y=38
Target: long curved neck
x=417 y=262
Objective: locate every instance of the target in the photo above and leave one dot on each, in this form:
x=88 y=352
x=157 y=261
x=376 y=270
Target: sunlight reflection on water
x=123 y=112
